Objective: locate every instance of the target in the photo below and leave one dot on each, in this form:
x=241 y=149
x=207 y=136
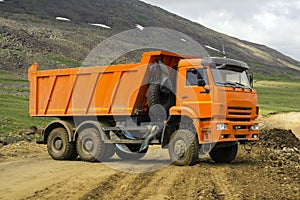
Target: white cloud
x=275 y=23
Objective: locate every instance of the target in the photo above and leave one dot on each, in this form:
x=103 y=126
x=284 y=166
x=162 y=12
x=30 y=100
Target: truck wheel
x=156 y=95
x=110 y=150
x=131 y=156
x=90 y=146
x=184 y=148
x=58 y=145
x=224 y=154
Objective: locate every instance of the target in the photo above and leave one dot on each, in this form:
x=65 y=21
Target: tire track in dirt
x=171 y=182
x=45 y=178
x=122 y=185
x=219 y=175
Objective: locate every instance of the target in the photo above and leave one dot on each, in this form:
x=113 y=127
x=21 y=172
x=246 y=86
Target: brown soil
x=289 y=120
x=270 y=171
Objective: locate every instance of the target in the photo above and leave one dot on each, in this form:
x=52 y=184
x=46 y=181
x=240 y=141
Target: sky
x=275 y=23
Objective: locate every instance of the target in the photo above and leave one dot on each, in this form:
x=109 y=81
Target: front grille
x=236 y=112
x=239 y=120
x=240 y=136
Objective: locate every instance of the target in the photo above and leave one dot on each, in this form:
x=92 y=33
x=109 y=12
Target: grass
x=65 y=62
x=277 y=94
x=14 y=105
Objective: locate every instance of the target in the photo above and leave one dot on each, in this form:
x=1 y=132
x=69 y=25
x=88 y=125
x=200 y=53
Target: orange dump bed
x=102 y=90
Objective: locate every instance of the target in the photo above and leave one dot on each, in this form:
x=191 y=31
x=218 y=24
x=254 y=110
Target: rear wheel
x=131 y=156
x=90 y=146
x=59 y=147
x=184 y=148
x=224 y=154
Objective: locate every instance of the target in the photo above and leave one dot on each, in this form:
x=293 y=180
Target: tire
x=224 y=154
x=184 y=148
x=58 y=145
x=90 y=146
x=110 y=150
x=163 y=96
x=131 y=156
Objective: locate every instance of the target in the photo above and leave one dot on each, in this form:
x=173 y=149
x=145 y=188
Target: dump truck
x=188 y=105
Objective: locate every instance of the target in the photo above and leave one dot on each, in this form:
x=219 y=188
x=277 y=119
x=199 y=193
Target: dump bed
x=102 y=90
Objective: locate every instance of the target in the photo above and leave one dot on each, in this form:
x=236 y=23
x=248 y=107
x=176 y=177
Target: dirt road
x=27 y=172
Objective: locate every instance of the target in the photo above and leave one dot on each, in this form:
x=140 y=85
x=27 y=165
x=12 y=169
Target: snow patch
x=139 y=27
x=100 y=25
x=183 y=40
x=62 y=19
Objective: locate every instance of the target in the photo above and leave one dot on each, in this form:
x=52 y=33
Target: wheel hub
x=88 y=145
x=179 y=148
x=58 y=144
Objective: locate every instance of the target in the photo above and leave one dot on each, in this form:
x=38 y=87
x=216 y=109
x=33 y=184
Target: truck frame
x=186 y=104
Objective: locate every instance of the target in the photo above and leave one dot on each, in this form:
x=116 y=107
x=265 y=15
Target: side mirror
x=201 y=83
x=250 y=78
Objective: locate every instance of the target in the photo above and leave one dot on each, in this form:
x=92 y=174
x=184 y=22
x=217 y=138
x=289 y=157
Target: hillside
x=30 y=32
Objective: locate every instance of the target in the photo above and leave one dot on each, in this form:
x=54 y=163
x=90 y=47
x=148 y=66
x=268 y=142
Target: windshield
x=230 y=78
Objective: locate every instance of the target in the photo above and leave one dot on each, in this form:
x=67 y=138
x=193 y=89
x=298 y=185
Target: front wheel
x=184 y=148
x=224 y=154
x=59 y=147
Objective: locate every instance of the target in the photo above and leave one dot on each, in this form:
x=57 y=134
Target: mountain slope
x=29 y=32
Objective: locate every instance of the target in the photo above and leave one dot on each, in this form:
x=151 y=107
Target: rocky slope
x=30 y=32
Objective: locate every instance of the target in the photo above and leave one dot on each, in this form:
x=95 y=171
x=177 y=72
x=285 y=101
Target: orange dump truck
x=186 y=104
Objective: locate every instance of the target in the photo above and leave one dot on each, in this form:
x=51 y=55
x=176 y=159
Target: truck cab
x=217 y=90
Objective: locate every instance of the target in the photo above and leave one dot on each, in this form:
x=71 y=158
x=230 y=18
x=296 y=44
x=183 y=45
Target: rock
x=273 y=157
x=288 y=150
x=294 y=158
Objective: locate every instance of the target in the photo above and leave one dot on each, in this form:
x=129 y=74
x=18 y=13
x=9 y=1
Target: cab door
x=193 y=91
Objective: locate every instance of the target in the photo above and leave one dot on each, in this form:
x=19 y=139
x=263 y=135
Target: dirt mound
x=280 y=147
x=279 y=139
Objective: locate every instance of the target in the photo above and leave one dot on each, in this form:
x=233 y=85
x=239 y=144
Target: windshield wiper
x=240 y=84
x=233 y=84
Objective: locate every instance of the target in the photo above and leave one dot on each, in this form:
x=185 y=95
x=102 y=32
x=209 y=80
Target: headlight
x=254 y=127
x=221 y=127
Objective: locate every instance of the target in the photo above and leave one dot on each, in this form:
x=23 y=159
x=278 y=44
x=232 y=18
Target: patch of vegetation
x=277 y=94
x=14 y=114
x=14 y=105
x=64 y=61
x=6 y=77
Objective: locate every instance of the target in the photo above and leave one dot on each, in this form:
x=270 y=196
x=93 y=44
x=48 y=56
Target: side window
x=193 y=75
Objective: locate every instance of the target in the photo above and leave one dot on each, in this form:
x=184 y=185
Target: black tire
x=224 y=154
x=184 y=148
x=110 y=150
x=58 y=145
x=131 y=156
x=90 y=146
x=156 y=95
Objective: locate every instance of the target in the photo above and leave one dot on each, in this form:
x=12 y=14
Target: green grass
x=14 y=114
x=14 y=105
x=277 y=94
x=64 y=61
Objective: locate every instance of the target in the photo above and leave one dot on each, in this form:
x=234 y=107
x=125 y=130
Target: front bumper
x=236 y=131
